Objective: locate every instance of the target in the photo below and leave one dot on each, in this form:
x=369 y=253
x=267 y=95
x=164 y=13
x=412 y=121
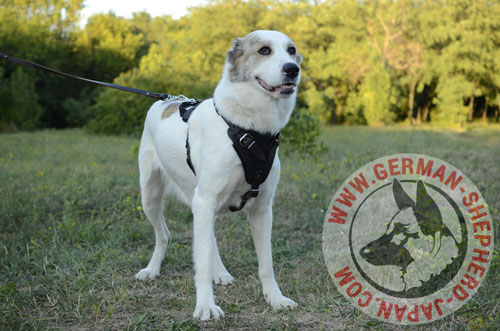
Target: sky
x=125 y=8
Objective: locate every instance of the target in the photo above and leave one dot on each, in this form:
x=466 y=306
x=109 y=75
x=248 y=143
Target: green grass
x=72 y=235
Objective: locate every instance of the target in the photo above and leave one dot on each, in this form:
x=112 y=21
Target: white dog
x=257 y=92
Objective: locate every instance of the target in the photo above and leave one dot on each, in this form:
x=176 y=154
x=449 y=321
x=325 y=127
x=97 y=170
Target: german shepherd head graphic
x=416 y=239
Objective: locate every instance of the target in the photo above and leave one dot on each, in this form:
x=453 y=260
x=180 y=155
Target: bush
x=120 y=113
x=19 y=101
x=302 y=133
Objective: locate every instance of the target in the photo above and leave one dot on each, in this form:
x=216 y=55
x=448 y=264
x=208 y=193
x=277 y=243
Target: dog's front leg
x=261 y=221
x=203 y=234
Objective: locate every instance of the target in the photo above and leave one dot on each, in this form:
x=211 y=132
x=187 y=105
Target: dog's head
x=267 y=60
x=417 y=221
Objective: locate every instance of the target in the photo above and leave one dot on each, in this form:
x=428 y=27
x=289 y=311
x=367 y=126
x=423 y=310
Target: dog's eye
x=265 y=51
x=291 y=50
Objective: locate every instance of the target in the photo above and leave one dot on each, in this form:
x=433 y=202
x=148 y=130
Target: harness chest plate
x=255 y=150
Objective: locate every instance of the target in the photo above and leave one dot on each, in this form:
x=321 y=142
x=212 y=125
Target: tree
x=37 y=31
x=107 y=46
x=370 y=62
x=464 y=42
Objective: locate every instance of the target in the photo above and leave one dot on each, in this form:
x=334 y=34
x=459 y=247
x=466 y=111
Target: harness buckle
x=247 y=141
x=254 y=192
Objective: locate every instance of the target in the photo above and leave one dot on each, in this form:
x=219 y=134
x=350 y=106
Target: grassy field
x=72 y=235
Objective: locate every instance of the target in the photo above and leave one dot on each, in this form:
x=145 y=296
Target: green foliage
x=376 y=92
x=368 y=62
x=372 y=102
x=76 y=111
x=302 y=133
x=47 y=32
x=117 y=112
x=108 y=46
x=20 y=107
x=450 y=94
x=423 y=46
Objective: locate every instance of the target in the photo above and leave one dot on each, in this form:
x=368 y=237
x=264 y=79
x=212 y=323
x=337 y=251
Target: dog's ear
x=427 y=212
x=402 y=199
x=235 y=52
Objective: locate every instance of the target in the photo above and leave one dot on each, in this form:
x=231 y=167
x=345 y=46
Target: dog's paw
x=207 y=312
x=280 y=302
x=146 y=273
x=223 y=279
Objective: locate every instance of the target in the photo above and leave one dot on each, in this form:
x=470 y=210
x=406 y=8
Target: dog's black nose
x=291 y=69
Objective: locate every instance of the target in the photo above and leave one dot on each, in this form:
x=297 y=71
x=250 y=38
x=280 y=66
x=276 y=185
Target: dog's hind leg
x=153 y=185
x=220 y=274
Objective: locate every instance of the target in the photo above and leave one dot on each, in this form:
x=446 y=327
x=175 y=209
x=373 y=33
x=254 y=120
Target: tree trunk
x=485 y=109
x=419 y=115
x=471 y=108
x=411 y=102
x=333 y=113
x=425 y=115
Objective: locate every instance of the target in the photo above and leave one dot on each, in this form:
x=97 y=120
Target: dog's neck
x=250 y=108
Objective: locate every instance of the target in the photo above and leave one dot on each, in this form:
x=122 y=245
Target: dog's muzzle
x=290 y=70
x=283 y=89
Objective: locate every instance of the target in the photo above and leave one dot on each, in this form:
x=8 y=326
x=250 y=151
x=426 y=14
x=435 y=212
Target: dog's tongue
x=267 y=87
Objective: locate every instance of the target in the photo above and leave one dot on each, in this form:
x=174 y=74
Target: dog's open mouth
x=287 y=88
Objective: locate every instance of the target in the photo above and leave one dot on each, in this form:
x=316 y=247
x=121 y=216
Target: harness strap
x=188 y=155
x=257 y=162
x=255 y=150
x=185 y=110
x=252 y=193
x=245 y=140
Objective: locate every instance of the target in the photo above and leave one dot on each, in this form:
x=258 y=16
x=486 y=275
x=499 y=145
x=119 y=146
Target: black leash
x=160 y=96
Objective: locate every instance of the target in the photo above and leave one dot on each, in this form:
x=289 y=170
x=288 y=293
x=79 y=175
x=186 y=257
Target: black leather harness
x=255 y=150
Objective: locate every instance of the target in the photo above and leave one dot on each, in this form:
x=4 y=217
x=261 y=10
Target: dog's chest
x=254 y=151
